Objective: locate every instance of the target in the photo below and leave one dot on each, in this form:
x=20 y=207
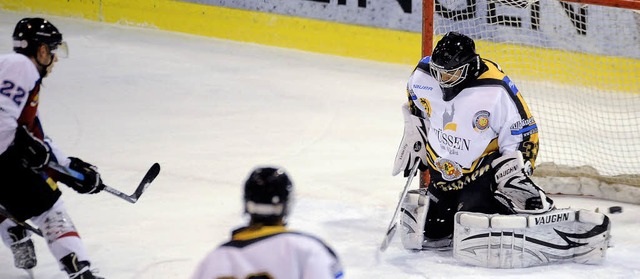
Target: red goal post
x=584 y=52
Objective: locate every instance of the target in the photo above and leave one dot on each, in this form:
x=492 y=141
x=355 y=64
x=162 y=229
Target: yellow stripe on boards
x=270 y=29
x=68 y=8
x=565 y=67
x=584 y=70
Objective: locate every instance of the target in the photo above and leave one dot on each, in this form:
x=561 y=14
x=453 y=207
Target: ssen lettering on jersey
x=270 y=252
x=488 y=116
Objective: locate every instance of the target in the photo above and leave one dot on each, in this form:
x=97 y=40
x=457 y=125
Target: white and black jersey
x=487 y=118
x=270 y=252
x=19 y=100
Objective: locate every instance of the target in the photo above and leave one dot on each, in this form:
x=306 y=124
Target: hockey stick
x=133 y=198
x=393 y=225
x=5 y=213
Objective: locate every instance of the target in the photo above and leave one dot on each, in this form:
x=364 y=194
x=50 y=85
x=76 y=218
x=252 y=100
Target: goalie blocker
x=515 y=241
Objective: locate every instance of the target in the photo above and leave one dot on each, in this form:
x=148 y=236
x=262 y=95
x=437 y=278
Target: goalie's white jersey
x=270 y=252
x=488 y=116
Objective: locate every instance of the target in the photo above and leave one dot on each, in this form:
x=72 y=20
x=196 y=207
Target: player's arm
x=217 y=264
x=518 y=143
x=321 y=263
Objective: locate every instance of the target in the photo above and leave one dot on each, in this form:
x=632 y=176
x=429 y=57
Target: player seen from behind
x=29 y=189
x=266 y=248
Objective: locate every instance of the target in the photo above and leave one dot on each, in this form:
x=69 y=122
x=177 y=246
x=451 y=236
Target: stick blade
x=151 y=175
x=388 y=237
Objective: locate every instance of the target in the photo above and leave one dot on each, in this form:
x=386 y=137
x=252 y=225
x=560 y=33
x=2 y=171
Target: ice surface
x=210 y=110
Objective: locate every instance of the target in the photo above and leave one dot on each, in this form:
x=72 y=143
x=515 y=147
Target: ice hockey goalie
x=514 y=241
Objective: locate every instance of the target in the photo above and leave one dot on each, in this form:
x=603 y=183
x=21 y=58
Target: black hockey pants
x=24 y=192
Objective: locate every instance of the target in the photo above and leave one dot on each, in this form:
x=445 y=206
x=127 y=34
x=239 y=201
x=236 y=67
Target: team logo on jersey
x=450 y=170
x=481 y=121
x=447 y=120
x=427 y=106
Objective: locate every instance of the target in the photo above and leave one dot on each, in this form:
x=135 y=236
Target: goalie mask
x=268 y=192
x=453 y=62
x=29 y=33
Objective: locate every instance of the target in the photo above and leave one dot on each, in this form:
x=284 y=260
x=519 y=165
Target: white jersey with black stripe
x=489 y=115
x=270 y=252
x=18 y=77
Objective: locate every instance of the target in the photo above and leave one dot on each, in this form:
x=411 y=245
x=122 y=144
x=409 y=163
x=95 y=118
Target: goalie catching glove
x=413 y=143
x=91 y=183
x=515 y=190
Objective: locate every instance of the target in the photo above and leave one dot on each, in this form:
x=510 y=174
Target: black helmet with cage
x=32 y=32
x=454 y=62
x=268 y=193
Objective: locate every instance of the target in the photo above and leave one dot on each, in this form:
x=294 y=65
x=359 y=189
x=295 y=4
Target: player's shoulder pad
x=246 y=236
x=246 y=242
x=424 y=64
x=495 y=76
x=320 y=241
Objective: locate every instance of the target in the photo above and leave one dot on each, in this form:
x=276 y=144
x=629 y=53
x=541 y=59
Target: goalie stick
x=5 y=213
x=393 y=225
x=133 y=198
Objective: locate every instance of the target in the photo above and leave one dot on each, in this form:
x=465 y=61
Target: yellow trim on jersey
x=249 y=233
x=431 y=157
x=493 y=72
x=52 y=183
x=491 y=147
x=497 y=74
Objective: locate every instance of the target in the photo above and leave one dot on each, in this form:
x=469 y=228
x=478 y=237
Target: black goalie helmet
x=454 y=61
x=31 y=32
x=268 y=192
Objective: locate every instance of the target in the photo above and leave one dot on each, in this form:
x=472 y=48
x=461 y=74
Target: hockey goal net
x=577 y=63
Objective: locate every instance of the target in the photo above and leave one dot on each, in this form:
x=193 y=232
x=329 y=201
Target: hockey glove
x=31 y=151
x=515 y=189
x=91 y=183
x=413 y=143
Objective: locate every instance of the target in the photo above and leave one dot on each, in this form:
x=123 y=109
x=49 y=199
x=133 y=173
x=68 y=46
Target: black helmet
x=31 y=32
x=267 y=193
x=453 y=62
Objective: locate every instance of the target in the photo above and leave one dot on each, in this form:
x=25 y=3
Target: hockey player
x=469 y=127
x=29 y=189
x=266 y=248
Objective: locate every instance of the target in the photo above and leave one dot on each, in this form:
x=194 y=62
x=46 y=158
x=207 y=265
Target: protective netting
x=578 y=67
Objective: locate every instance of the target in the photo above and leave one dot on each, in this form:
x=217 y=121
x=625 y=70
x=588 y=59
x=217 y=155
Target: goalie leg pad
x=515 y=241
x=413 y=215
